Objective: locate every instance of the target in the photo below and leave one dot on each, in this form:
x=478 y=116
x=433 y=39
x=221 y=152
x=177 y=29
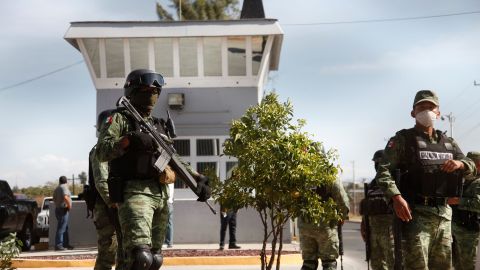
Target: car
x=43 y=216
x=17 y=216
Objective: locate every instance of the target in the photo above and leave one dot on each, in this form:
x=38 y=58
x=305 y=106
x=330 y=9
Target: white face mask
x=426 y=118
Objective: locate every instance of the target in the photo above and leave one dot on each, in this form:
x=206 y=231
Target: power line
x=386 y=20
x=40 y=76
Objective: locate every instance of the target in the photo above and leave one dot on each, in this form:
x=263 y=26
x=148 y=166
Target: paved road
x=354 y=258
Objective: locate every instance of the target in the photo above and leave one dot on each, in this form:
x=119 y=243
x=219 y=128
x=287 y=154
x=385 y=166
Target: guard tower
x=214 y=70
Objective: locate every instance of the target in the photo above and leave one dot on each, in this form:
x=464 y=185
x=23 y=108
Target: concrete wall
x=193 y=223
x=207 y=111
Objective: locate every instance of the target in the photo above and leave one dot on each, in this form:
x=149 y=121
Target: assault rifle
x=367 y=227
x=397 y=230
x=166 y=150
x=340 y=243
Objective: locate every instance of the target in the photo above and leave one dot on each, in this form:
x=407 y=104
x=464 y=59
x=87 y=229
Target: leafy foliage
x=279 y=165
x=200 y=10
x=9 y=249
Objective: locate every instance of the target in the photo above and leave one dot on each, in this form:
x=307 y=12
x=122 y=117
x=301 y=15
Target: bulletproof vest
x=135 y=164
x=421 y=173
x=374 y=203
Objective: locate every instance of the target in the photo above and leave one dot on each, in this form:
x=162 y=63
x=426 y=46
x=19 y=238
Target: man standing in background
x=63 y=204
x=169 y=231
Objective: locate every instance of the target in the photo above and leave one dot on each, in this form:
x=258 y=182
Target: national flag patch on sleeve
x=109 y=120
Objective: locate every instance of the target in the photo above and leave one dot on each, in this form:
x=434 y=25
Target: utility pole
x=451 y=119
x=180 y=10
x=73 y=180
x=354 y=195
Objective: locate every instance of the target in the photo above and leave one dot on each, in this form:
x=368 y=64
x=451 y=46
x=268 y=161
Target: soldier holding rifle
x=430 y=169
x=142 y=164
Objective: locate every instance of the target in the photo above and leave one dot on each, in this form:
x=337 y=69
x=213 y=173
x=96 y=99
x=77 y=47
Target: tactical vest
x=375 y=203
x=421 y=173
x=136 y=164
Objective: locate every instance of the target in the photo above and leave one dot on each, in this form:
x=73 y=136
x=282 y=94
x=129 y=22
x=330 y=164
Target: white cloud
x=39 y=170
x=455 y=51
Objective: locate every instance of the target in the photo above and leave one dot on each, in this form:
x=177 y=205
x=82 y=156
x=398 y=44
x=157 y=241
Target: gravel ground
x=168 y=253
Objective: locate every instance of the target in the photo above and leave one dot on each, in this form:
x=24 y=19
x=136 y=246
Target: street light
x=451 y=119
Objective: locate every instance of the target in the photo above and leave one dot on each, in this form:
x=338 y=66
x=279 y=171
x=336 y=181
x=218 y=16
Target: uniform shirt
x=470 y=200
x=59 y=196
x=395 y=154
x=340 y=197
x=100 y=176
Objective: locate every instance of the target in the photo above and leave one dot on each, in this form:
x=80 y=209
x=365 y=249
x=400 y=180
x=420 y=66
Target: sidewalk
x=28 y=259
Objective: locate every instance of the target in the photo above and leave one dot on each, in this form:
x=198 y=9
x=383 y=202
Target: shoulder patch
x=109 y=120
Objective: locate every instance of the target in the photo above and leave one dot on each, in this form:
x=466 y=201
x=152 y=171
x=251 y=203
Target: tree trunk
x=263 y=252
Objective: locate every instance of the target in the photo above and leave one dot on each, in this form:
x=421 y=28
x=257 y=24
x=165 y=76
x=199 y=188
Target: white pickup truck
x=43 y=216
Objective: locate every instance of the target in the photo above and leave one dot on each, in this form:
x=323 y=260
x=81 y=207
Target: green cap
x=475 y=156
x=425 y=95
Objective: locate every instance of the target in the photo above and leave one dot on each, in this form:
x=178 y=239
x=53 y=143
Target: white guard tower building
x=214 y=70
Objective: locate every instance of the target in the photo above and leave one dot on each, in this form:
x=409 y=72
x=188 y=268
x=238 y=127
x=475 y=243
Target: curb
x=292 y=259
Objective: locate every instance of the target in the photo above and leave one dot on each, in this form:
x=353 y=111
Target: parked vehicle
x=17 y=216
x=43 y=218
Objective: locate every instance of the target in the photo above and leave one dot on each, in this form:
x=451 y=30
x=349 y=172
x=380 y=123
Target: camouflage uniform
x=426 y=242
x=381 y=236
x=144 y=212
x=321 y=241
x=466 y=231
x=103 y=218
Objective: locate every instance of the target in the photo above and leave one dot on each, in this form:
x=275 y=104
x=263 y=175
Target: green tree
x=278 y=167
x=9 y=249
x=200 y=10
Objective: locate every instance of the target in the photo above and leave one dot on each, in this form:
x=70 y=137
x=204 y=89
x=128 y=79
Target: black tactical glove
x=203 y=189
x=141 y=141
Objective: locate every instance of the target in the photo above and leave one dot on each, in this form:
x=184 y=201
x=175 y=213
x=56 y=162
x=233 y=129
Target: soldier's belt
x=431 y=201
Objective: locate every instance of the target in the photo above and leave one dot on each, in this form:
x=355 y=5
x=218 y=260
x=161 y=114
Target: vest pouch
x=377 y=206
x=448 y=184
x=144 y=165
x=428 y=184
x=115 y=189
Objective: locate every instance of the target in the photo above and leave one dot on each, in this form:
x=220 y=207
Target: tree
x=83 y=178
x=200 y=10
x=277 y=169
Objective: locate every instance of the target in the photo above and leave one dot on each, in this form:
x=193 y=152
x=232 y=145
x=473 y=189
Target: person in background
x=63 y=204
x=169 y=233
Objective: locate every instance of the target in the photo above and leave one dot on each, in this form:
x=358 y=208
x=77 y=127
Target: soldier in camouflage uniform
x=320 y=241
x=104 y=212
x=465 y=223
x=135 y=183
x=379 y=224
x=432 y=167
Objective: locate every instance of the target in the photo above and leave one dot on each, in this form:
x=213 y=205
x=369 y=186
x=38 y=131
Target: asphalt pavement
x=353 y=259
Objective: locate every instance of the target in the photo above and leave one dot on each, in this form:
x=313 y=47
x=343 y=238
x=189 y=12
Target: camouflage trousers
x=319 y=241
x=143 y=216
x=465 y=243
x=106 y=238
x=427 y=239
x=381 y=242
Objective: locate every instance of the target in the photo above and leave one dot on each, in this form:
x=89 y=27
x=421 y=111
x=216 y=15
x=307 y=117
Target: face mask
x=144 y=101
x=426 y=118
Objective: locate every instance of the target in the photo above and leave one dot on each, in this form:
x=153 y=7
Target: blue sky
x=353 y=83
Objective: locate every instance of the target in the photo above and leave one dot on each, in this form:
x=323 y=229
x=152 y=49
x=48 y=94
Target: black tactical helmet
x=378 y=156
x=102 y=118
x=142 y=77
